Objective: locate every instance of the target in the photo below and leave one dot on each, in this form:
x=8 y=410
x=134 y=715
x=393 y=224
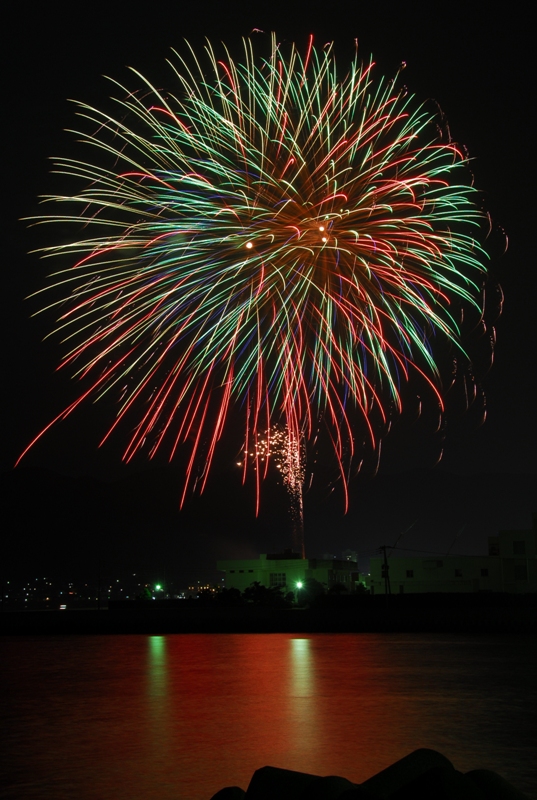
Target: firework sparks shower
x=279 y=237
x=288 y=454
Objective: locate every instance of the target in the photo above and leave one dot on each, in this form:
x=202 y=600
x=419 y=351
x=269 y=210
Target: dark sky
x=476 y=64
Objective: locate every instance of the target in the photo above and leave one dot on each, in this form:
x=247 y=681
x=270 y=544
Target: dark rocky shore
x=422 y=775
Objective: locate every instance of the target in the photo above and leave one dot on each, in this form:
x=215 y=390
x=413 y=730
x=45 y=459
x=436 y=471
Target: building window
x=232 y=570
x=241 y=570
x=484 y=572
x=250 y=570
x=521 y=572
x=458 y=573
x=278 y=579
x=519 y=548
x=410 y=573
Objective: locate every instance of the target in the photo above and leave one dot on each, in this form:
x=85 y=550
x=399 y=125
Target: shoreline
x=514 y=614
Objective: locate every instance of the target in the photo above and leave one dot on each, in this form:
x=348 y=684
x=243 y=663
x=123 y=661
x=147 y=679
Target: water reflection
x=157 y=673
x=302 y=682
x=158 y=700
x=302 y=701
x=183 y=716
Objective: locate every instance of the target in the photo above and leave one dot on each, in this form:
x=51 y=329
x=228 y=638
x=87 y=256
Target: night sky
x=72 y=502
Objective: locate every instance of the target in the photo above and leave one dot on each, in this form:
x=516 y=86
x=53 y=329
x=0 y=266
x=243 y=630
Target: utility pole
x=385 y=574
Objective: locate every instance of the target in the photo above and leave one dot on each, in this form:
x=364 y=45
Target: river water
x=181 y=716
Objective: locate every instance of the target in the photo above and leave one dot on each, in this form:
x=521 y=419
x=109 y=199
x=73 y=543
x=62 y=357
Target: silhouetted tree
x=337 y=589
x=230 y=597
x=206 y=597
x=145 y=594
x=260 y=595
x=310 y=591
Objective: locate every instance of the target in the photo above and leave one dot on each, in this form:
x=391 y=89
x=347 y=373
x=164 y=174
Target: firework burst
x=278 y=237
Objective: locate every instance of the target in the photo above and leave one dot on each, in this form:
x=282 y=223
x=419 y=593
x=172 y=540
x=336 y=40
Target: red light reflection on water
x=182 y=716
x=240 y=702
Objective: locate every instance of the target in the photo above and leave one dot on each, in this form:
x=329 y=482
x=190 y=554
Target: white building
x=286 y=570
x=510 y=566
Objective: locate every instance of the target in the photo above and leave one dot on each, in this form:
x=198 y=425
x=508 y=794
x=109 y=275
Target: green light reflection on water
x=157 y=695
x=303 y=701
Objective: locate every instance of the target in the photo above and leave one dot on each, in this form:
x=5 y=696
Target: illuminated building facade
x=288 y=569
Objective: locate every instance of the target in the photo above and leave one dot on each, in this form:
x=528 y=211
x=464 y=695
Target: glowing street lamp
x=157 y=588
